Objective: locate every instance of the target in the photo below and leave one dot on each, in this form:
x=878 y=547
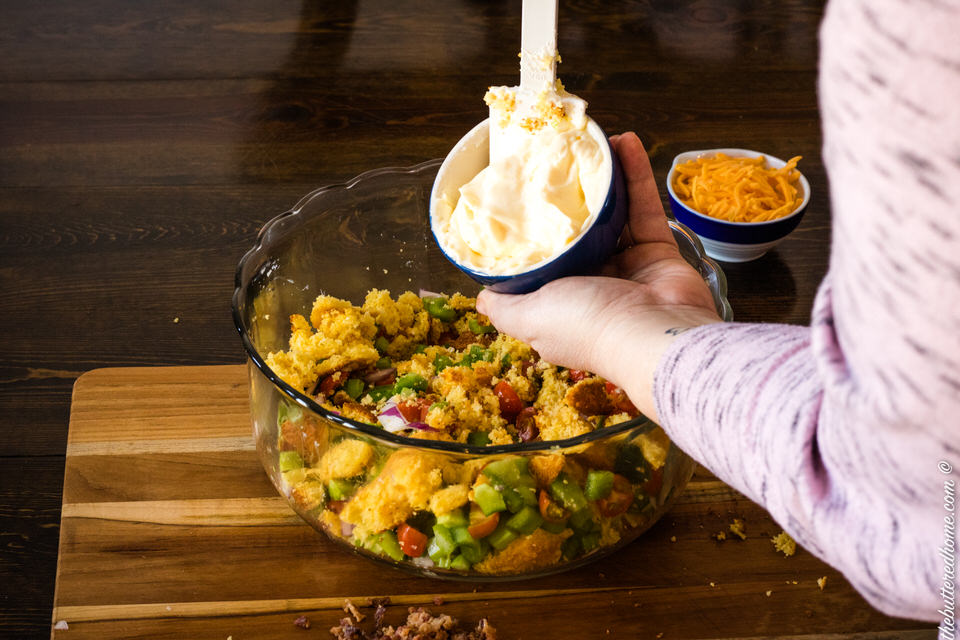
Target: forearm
x=632 y=345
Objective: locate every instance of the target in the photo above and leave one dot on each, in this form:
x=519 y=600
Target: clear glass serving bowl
x=374 y=232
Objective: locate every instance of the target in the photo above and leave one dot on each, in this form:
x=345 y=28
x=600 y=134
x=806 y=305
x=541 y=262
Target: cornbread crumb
x=737 y=529
x=176 y=320
x=822 y=582
x=783 y=543
x=539 y=549
x=713 y=584
x=673 y=538
x=720 y=536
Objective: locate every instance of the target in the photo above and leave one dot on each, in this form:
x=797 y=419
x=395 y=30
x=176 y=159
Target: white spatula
x=538 y=45
x=538 y=34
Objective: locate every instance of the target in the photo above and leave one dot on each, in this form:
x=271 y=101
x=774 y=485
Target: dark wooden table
x=142 y=145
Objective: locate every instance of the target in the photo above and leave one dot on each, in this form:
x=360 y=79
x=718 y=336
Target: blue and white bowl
x=735 y=241
x=595 y=244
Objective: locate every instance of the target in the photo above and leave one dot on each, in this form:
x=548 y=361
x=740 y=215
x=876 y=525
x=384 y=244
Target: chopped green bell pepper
x=453 y=519
x=488 y=499
x=599 y=484
x=478 y=438
x=567 y=492
x=354 y=387
x=289 y=460
x=440 y=308
x=478 y=328
x=413 y=381
x=525 y=521
x=340 y=489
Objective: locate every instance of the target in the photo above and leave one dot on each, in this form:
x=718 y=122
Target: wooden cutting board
x=171 y=529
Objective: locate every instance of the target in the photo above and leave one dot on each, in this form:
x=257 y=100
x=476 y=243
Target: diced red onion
x=430 y=294
x=391 y=418
x=421 y=426
x=393 y=421
x=380 y=375
x=346 y=529
x=423 y=561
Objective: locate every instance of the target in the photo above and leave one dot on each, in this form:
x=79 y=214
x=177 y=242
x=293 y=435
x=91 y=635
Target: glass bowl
x=374 y=232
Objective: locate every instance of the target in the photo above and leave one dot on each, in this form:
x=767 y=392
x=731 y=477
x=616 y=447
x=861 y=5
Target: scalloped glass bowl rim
x=379 y=434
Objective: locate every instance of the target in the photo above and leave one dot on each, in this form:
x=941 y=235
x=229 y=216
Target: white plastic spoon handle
x=538 y=34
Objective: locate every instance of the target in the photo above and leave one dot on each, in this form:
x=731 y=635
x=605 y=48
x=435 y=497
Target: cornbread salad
x=433 y=368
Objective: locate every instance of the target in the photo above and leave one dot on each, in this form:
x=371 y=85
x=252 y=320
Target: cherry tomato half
x=550 y=510
x=653 y=484
x=620 y=400
x=412 y=541
x=483 y=528
x=619 y=499
x=576 y=375
x=510 y=402
x=415 y=410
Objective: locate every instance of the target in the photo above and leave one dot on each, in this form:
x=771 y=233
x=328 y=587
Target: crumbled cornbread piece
x=784 y=543
x=822 y=582
x=546 y=468
x=449 y=498
x=408 y=480
x=538 y=550
x=737 y=528
x=346 y=459
x=655 y=445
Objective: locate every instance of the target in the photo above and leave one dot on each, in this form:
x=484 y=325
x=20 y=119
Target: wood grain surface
x=170 y=528
x=143 y=144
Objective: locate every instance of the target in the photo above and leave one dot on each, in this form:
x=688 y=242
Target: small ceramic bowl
x=587 y=252
x=735 y=241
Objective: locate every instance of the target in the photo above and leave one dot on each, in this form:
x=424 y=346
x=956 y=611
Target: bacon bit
x=589 y=397
x=437 y=600
x=303 y=622
x=351 y=609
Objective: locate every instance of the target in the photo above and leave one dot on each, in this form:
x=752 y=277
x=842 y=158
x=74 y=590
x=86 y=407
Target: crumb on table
x=737 y=528
x=783 y=543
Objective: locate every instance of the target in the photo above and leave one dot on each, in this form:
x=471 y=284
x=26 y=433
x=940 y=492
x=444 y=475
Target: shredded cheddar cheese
x=738 y=189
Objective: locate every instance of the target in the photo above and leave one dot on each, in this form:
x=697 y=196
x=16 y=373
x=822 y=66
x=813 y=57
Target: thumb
x=504 y=310
x=558 y=319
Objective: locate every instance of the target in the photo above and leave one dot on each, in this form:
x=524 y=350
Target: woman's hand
x=619 y=324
